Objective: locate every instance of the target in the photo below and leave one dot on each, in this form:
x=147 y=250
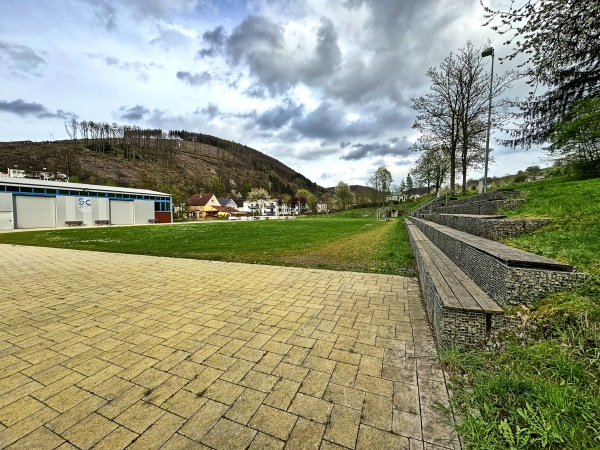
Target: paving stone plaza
x=111 y=351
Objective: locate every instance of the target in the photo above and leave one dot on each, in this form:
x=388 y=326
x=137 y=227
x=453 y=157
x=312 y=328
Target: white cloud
x=292 y=78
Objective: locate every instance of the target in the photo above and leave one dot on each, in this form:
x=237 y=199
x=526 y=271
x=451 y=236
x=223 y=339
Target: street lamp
x=488 y=52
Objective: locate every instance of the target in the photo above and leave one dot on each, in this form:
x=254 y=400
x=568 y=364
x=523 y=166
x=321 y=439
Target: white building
x=32 y=203
x=268 y=208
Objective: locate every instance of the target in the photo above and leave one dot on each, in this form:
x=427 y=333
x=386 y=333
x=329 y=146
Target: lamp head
x=488 y=52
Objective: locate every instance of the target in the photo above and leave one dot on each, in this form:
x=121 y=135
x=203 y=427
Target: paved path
x=111 y=351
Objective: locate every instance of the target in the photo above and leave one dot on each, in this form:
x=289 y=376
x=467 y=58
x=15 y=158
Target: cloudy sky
x=325 y=86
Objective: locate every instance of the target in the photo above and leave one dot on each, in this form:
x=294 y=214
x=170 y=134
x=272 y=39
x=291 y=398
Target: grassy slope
x=542 y=390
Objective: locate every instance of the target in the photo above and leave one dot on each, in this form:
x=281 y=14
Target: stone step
x=459 y=311
x=508 y=275
x=496 y=227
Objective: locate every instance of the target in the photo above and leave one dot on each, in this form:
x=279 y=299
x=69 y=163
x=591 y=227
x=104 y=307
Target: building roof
x=225 y=209
x=200 y=199
x=76 y=186
x=225 y=201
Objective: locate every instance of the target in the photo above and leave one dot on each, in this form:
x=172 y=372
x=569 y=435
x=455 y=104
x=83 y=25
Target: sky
x=325 y=86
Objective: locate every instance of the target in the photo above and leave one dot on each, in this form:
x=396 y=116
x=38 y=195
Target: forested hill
x=178 y=162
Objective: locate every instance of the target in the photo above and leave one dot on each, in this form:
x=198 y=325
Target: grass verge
x=541 y=389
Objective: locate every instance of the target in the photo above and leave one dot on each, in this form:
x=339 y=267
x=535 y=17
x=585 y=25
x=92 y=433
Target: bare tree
x=71 y=126
x=431 y=168
x=451 y=117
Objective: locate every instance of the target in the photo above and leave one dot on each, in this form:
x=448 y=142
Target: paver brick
x=371 y=438
x=377 y=411
x=259 y=381
x=343 y=426
x=179 y=442
x=87 y=432
x=42 y=438
x=263 y=441
x=67 y=398
x=224 y=392
x=280 y=356
x=374 y=385
x=282 y=394
x=407 y=424
x=344 y=374
x=237 y=371
x=184 y=403
x=245 y=406
x=306 y=435
x=311 y=408
x=228 y=435
x=118 y=439
x=273 y=421
x=204 y=419
x=158 y=433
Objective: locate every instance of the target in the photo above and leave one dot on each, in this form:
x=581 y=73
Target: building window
x=162 y=206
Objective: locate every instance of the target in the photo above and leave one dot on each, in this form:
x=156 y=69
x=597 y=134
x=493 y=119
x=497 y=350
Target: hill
x=180 y=163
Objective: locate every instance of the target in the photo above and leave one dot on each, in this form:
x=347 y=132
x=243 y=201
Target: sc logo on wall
x=84 y=204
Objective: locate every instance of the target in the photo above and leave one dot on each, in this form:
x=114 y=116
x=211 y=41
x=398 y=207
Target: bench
x=153 y=221
x=494 y=227
x=74 y=223
x=459 y=311
x=102 y=222
x=510 y=276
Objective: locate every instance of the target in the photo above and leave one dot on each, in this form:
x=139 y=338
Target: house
x=273 y=207
x=396 y=198
x=203 y=206
x=535 y=178
x=228 y=202
x=322 y=208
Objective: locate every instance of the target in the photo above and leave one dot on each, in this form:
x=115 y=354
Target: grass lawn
x=541 y=389
x=352 y=240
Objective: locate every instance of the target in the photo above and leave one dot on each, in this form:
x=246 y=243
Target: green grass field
x=352 y=240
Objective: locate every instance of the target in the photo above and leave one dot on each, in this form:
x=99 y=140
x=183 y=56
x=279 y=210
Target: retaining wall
x=490 y=228
x=482 y=204
x=507 y=285
x=452 y=326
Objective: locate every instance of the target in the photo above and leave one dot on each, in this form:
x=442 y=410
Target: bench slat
x=510 y=256
x=457 y=285
x=457 y=290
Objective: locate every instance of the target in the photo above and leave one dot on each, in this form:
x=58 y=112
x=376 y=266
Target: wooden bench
x=74 y=223
x=102 y=222
x=153 y=221
x=510 y=276
x=458 y=310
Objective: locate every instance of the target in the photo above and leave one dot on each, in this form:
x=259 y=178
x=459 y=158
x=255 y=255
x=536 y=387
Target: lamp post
x=488 y=52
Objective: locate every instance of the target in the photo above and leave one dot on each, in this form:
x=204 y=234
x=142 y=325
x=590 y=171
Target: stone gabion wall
x=487 y=203
x=505 y=285
x=481 y=208
x=453 y=326
x=496 y=229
